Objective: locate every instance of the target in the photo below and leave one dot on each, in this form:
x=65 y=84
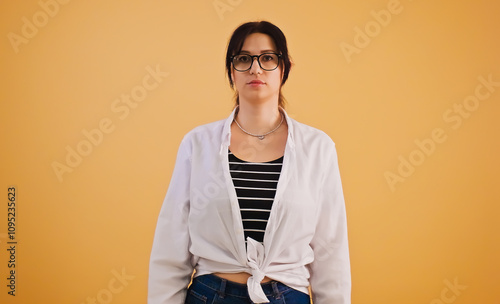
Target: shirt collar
x=226 y=131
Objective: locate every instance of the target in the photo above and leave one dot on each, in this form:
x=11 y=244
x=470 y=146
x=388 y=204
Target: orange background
x=409 y=239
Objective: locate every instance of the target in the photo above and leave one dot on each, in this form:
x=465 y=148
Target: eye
x=243 y=58
x=268 y=57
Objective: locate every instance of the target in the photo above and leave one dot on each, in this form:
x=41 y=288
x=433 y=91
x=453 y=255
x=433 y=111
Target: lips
x=256 y=82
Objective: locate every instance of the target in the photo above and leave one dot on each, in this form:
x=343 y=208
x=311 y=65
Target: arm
x=330 y=271
x=170 y=266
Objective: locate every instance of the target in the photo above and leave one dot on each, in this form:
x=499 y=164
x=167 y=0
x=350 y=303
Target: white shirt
x=200 y=225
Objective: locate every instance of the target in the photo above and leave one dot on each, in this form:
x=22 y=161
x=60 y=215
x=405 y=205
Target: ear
x=232 y=76
x=282 y=69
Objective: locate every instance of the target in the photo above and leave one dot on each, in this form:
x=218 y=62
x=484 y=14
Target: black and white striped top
x=255 y=185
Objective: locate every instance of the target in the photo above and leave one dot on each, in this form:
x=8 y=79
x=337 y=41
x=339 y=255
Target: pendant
x=261 y=137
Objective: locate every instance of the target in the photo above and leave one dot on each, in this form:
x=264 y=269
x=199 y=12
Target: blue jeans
x=211 y=289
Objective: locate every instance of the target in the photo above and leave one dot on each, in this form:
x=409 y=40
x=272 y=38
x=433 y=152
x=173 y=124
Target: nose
x=255 y=68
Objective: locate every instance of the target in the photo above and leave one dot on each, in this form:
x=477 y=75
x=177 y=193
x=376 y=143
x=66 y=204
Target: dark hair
x=238 y=38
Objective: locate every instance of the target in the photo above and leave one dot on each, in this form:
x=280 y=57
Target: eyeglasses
x=267 y=61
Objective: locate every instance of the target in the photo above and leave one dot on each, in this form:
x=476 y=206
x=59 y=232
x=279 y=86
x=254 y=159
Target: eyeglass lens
x=267 y=61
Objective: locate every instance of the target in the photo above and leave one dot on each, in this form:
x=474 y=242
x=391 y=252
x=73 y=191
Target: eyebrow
x=262 y=52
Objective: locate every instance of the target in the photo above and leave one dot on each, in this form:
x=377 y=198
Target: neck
x=258 y=118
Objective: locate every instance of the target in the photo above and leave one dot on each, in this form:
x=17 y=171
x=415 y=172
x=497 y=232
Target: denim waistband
x=225 y=287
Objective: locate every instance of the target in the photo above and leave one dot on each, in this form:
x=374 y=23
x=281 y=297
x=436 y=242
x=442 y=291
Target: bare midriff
x=239 y=277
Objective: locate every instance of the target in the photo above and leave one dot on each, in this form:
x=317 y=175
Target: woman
x=255 y=203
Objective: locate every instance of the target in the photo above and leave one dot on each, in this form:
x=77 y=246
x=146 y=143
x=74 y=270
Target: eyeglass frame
x=258 y=61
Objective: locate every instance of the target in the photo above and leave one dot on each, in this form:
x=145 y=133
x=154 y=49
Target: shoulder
x=315 y=147
x=308 y=136
x=205 y=133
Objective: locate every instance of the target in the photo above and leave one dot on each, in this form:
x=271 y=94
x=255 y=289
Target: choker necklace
x=261 y=137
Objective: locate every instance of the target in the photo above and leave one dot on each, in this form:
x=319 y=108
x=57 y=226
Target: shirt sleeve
x=171 y=266
x=330 y=271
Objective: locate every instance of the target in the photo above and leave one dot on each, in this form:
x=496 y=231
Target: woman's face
x=257 y=85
